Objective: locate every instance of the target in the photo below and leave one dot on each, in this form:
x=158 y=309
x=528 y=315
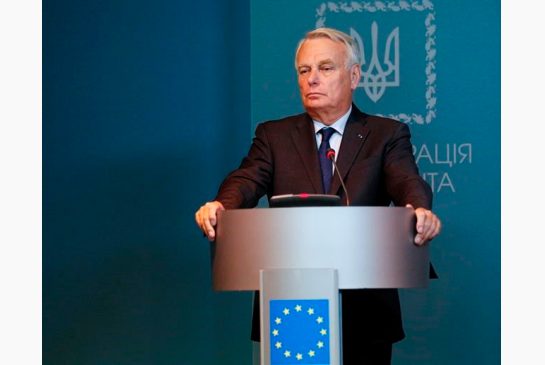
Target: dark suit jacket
x=378 y=167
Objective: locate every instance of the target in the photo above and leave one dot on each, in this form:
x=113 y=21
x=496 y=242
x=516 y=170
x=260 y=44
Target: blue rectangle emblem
x=299 y=331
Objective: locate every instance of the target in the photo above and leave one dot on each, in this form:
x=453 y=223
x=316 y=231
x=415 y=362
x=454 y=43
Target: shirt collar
x=339 y=124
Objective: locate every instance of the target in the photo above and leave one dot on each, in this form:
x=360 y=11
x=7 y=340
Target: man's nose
x=313 y=77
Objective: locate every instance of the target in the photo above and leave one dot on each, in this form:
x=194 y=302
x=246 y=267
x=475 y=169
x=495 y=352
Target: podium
x=299 y=258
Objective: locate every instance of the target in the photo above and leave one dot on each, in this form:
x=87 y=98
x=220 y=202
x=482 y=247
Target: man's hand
x=428 y=225
x=206 y=218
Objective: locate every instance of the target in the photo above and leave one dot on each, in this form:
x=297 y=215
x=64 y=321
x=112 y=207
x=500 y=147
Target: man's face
x=325 y=83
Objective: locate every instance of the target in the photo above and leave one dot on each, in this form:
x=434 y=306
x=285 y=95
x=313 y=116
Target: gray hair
x=352 y=49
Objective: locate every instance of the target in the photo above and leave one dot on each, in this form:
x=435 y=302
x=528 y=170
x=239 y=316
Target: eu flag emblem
x=299 y=331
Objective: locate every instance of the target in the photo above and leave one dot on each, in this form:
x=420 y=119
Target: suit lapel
x=305 y=142
x=355 y=135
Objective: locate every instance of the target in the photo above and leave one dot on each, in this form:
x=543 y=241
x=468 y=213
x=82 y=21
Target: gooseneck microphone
x=330 y=154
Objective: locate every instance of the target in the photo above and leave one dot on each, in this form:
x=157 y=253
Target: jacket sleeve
x=403 y=182
x=243 y=187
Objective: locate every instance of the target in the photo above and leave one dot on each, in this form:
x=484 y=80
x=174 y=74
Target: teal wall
x=145 y=109
x=147 y=106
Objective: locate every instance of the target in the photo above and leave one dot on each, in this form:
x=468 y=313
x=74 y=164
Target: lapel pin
x=360 y=136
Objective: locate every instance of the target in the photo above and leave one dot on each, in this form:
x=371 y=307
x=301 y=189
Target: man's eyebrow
x=326 y=61
x=320 y=63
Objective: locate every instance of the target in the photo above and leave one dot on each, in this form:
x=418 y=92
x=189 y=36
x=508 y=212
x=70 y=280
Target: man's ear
x=355 y=76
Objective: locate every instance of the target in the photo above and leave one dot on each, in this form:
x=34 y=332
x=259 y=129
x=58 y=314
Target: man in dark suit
x=374 y=157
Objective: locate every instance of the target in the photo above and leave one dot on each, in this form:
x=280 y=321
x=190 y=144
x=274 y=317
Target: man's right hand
x=206 y=218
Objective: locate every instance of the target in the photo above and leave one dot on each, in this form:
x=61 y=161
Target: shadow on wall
x=126 y=275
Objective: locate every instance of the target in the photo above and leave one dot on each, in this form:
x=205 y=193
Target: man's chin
x=314 y=104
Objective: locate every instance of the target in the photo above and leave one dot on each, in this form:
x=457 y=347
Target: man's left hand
x=428 y=225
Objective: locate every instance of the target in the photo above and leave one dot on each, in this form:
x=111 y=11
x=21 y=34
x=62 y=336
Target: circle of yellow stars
x=299 y=356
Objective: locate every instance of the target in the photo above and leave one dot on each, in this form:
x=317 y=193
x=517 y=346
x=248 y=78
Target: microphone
x=330 y=154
